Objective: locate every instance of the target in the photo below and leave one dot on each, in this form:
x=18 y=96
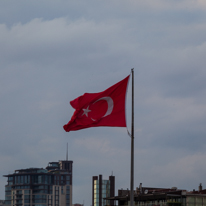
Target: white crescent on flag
x=110 y=104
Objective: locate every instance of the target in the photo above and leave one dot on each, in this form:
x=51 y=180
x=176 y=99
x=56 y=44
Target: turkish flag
x=105 y=108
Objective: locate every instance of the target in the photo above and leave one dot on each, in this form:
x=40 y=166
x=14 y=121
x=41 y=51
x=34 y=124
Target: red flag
x=105 y=108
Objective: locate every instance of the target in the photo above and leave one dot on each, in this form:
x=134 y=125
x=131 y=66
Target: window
x=39 y=198
x=45 y=179
x=22 y=179
x=10 y=180
x=26 y=200
x=19 y=179
x=7 y=202
x=19 y=192
x=8 y=188
x=16 y=180
x=39 y=179
x=26 y=191
x=8 y=193
x=67 y=189
x=50 y=189
x=8 y=198
x=27 y=179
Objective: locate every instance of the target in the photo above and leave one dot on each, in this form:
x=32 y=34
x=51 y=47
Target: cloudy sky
x=53 y=51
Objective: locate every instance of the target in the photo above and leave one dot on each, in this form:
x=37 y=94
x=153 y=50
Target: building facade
x=102 y=189
x=40 y=187
x=148 y=196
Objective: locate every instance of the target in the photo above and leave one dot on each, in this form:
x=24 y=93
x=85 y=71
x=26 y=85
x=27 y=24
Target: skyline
x=52 y=52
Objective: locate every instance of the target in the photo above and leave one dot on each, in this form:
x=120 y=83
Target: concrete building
x=148 y=196
x=102 y=189
x=40 y=187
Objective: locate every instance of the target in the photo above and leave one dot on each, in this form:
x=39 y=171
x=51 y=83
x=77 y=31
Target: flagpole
x=132 y=145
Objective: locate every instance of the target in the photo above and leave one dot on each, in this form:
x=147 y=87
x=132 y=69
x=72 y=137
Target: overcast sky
x=54 y=51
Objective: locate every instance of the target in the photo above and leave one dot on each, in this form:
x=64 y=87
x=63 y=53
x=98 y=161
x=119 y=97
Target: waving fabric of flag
x=105 y=108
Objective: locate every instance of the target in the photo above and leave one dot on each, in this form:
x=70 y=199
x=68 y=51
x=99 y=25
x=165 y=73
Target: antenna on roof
x=67 y=153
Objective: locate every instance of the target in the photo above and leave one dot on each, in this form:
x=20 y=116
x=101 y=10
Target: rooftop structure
x=149 y=196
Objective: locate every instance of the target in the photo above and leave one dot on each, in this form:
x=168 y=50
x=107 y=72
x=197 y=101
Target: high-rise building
x=102 y=189
x=40 y=187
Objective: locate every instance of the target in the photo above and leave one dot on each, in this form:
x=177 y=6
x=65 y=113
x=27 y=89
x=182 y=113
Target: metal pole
x=132 y=145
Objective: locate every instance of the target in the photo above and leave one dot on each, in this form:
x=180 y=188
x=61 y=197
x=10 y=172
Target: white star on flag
x=86 y=111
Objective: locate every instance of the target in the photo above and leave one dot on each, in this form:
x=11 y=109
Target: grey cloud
x=51 y=52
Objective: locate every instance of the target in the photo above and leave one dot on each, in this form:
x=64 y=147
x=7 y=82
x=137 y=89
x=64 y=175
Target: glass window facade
x=102 y=189
x=67 y=195
x=105 y=191
x=96 y=192
x=40 y=187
